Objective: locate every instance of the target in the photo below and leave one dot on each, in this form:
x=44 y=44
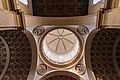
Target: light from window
x=95 y=1
x=24 y=2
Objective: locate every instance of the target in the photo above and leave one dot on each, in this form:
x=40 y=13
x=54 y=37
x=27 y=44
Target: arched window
x=24 y=2
x=95 y=2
